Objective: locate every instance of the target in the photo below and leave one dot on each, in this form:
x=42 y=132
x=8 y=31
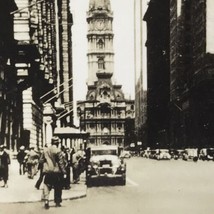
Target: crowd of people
x=53 y=163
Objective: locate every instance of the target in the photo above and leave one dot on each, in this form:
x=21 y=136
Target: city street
x=169 y=187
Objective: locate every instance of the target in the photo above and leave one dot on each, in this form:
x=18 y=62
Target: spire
x=99 y=5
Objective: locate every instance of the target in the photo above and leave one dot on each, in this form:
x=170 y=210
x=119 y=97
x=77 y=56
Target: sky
x=123 y=29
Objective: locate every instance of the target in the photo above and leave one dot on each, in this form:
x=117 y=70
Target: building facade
x=181 y=58
x=158 y=73
x=180 y=73
x=105 y=113
x=36 y=71
x=192 y=73
x=8 y=86
x=140 y=72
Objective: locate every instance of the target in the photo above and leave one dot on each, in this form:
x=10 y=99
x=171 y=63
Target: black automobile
x=190 y=154
x=104 y=164
x=206 y=154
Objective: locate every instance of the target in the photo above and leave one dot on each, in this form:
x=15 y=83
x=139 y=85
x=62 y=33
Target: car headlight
x=95 y=166
x=122 y=167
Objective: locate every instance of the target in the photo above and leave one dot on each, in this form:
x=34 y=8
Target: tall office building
x=158 y=73
x=140 y=63
x=193 y=73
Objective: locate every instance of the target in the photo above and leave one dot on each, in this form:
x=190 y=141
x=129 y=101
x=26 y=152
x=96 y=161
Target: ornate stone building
x=35 y=71
x=105 y=113
x=8 y=86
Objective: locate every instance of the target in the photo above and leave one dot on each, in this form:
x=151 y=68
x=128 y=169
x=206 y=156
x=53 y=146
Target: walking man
x=32 y=162
x=54 y=172
x=67 y=181
x=4 y=165
x=21 y=159
x=76 y=158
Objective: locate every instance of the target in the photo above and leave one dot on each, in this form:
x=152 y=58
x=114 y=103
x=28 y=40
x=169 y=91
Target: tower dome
x=99 y=5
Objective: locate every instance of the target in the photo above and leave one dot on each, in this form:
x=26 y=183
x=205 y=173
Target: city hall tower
x=105 y=112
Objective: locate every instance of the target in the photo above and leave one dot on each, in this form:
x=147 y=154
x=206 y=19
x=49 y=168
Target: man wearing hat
x=21 y=159
x=4 y=165
x=32 y=162
x=54 y=171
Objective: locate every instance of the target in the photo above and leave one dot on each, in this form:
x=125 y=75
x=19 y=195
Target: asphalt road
x=153 y=187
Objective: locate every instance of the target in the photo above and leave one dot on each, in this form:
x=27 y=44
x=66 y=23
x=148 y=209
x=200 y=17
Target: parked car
x=206 y=154
x=176 y=154
x=145 y=153
x=190 y=154
x=125 y=154
x=153 y=154
x=163 y=154
x=104 y=163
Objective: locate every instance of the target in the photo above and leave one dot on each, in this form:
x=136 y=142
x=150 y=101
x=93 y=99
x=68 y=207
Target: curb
x=81 y=195
x=51 y=200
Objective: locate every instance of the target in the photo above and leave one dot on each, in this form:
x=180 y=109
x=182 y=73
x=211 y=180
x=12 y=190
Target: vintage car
x=206 y=154
x=104 y=164
x=153 y=154
x=163 y=154
x=190 y=154
x=145 y=153
x=176 y=154
x=125 y=154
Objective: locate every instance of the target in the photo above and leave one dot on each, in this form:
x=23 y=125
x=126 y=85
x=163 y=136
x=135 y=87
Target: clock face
x=99 y=24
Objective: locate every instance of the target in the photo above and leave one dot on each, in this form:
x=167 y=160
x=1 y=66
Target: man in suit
x=54 y=172
x=4 y=165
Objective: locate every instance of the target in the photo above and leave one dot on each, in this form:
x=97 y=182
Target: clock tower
x=100 y=39
x=105 y=112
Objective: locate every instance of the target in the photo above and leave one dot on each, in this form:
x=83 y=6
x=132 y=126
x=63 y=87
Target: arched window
x=101 y=63
x=100 y=44
x=91 y=97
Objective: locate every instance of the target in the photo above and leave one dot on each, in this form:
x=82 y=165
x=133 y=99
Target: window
x=101 y=63
x=92 y=125
x=119 y=126
x=105 y=94
x=91 y=97
x=100 y=44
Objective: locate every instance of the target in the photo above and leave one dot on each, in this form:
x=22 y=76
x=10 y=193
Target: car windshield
x=104 y=152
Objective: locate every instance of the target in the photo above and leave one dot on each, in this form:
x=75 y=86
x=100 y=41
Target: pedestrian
x=4 y=165
x=32 y=163
x=64 y=158
x=41 y=175
x=54 y=171
x=76 y=158
x=21 y=159
x=68 y=169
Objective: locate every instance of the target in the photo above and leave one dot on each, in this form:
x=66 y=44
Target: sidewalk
x=21 y=189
